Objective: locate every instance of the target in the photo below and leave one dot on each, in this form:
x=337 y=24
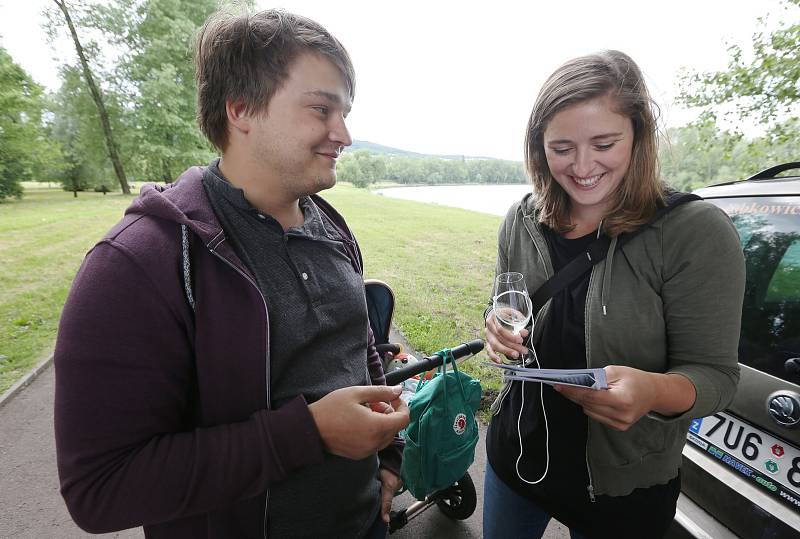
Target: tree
x=457 y=172
x=26 y=150
x=111 y=144
x=139 y=54
x=404 y=170
x=701 y=154
x=348 y=170
x=764 y=88
x=692 y=156
x=160 y=78
x=372 y=166
x=74 y=125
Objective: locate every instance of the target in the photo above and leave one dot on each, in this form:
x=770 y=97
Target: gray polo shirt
x=318 y=343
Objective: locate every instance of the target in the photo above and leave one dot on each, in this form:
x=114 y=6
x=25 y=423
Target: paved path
x=31 y=506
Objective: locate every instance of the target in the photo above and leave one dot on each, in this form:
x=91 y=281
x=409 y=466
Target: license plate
x=772 y=464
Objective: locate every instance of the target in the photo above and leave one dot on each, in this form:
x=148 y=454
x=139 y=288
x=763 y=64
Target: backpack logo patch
x=460 y=424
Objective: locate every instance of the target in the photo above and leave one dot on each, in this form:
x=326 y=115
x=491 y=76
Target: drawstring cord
x=187 y=273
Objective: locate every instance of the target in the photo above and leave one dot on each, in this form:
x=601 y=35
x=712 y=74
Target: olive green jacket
x=670 y=300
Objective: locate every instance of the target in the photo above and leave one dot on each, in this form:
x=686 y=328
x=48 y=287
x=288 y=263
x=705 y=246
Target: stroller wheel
x=458 y=501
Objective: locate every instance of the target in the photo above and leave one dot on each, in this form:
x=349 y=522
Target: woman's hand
x=631 y=394
x=502 y=341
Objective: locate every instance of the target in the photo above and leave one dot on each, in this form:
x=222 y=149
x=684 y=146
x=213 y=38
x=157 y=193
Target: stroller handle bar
x=425 y=364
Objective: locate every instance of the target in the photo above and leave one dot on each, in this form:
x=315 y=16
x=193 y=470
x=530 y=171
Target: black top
x=562 y=346
x=563 y=492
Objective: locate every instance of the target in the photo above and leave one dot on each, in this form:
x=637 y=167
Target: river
x=492 y=199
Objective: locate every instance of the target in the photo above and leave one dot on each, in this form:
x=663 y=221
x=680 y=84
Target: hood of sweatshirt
x=183 y=202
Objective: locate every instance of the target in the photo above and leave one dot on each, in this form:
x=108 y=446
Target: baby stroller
x=459 y=500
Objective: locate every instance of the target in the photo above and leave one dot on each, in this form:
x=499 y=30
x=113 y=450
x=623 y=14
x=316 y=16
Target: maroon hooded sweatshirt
x=162 y=415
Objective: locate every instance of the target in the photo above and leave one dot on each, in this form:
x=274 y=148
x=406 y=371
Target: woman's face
x=588 y=148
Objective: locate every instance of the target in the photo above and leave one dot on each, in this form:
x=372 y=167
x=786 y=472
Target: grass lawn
x=43 y=239
x=439 y=261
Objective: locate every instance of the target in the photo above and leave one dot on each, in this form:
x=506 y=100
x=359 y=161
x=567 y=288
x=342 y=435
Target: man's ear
x=238 y=116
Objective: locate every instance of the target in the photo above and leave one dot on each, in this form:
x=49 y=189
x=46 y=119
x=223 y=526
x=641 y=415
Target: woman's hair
x=614 y=74
x=244 y=57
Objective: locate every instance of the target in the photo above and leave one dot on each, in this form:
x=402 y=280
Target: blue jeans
x=507 y=515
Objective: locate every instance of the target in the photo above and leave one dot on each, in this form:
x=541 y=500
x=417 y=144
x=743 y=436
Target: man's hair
x=245 y=57
x=608 y=73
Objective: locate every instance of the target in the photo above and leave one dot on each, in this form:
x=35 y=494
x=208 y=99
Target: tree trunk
x=98 y=101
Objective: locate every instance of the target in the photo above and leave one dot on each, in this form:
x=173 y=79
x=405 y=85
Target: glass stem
x=530 y=350
x=522 y=357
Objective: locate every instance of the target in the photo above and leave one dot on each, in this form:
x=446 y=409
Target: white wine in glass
x=512 y=311
x=512 y=305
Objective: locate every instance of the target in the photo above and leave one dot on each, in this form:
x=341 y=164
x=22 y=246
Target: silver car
x=741 y=467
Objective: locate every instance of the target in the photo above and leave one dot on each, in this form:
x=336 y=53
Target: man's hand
x=354 y=423
x=499 y=340
x=631 y=394
x=390 y=484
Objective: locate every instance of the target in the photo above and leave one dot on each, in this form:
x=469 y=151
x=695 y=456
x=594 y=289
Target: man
x=215 y=372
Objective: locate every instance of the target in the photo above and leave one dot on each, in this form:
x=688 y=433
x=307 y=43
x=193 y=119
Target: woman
x=661 y=314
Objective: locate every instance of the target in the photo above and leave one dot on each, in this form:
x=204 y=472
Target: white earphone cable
x=544 y=414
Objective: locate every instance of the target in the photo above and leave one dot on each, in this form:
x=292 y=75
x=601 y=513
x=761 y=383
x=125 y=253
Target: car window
x=769 y=229
x=785 y=284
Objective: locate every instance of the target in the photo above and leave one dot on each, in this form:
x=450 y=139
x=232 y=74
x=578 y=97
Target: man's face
x=297 y=141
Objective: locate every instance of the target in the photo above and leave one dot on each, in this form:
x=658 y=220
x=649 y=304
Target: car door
x=743 y=465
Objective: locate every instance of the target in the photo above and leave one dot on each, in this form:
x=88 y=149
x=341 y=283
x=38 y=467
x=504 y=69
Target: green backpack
x=442 y=434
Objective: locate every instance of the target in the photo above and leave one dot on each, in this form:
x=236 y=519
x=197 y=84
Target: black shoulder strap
x=598 y=250
x=576 y=267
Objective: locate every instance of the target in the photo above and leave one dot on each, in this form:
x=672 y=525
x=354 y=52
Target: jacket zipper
x=590 y=486
x=266 y=359
x=507 y=388
x=548 y=268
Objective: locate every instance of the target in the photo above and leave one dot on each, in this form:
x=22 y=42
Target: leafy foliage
x=700 y=154
x=140 y=52
x=363 y=168
x=762 y=86
x=160 y=79
x=76 y=126
x=26 y=151
x=97 y=97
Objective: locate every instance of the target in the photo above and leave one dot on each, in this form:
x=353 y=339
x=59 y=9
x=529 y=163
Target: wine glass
x=512 y=305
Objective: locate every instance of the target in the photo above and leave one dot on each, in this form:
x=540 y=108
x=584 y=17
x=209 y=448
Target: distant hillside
x=388 y=150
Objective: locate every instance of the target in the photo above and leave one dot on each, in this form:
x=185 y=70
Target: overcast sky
x=460 y=77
